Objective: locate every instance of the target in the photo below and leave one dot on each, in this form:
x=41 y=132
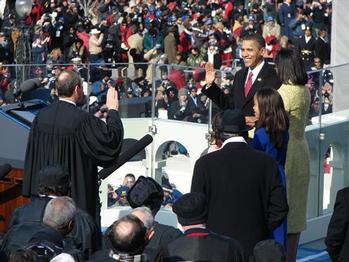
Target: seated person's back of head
x=128 y=235
x=59 y=214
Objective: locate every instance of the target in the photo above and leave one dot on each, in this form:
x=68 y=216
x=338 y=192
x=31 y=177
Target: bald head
x=145 y=215
x=128 y=235
x=59 y=213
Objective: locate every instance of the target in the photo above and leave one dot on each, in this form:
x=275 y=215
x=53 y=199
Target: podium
x=15 y=124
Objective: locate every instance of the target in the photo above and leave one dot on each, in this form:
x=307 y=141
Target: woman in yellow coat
x=296 y=97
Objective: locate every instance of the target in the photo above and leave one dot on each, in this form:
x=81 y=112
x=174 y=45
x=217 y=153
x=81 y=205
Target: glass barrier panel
x=334 y=123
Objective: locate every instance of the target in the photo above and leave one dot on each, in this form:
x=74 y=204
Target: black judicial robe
x=78 y=141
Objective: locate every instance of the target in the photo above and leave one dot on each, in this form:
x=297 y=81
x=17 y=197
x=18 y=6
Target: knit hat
x=183 y=92
x=191 y=209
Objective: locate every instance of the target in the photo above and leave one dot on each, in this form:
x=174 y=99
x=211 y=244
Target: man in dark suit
x=198 y=243
x=337 y=239
x=257 y=74
x=246 y=199
x=322 y=47
x=62 y=134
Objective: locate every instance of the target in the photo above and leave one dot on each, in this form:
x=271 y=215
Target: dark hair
x=131 y=240
x=66 y=82
x=272 y=115
x=53 y=180
x=57 y=190
x=258 y=38
x=23 y=255
x=130 y=176
x=290 y=67
x=217 y=128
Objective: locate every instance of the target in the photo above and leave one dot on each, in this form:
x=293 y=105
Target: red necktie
x=248 y=83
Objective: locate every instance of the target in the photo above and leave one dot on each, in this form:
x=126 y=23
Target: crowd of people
x=111 y=34
x=264 y=172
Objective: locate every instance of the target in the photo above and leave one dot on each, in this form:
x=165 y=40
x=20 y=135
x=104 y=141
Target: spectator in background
x=322 y=47
x=77 y=50
x=170 y=44
x=252 y=27
x=121 y=192
x=271 y=28
x=179 y=109
x=171 y=194
x=306 y=47
x=95 y=46
x=286 y=13
x=194 y=58
x=135 y=41
x=6 y=49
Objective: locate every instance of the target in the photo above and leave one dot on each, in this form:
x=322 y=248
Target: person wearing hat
x=54 y=182
x=179 y=109
x=256 y=74
x=322 y=46
x=306 y=47
x=149 y=193
x=198 y=243
x=194 y=59
x=252 y=27
x=95 y=46
x=287 y=12
x=245 y=180
x=271 y=27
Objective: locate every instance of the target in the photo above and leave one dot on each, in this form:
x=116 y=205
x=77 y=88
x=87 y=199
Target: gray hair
x=59 y=212
x=145 y=215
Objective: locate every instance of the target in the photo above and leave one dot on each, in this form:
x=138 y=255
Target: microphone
x=4 y=170
x=126 y=156
x=27 y=85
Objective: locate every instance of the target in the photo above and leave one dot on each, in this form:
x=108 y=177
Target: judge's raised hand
x=112 y=99
x=210 y=74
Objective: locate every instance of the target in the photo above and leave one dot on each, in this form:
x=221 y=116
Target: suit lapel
x=257 y=84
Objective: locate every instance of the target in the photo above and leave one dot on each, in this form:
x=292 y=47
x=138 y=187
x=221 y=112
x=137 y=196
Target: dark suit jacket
x=85 y=236
x=246 y=199
x=199 y=244
x=163 y=235
x=337 y=239
x=266 y=78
